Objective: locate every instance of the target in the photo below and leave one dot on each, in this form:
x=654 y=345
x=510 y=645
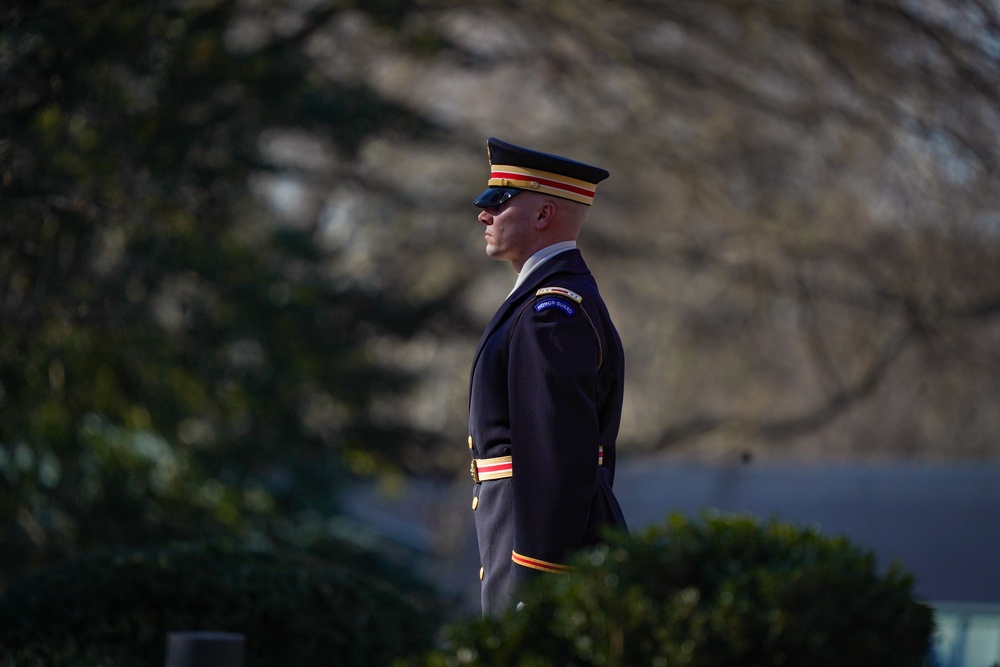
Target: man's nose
x=485 y=217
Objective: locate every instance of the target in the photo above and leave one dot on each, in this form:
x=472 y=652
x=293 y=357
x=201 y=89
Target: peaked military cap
x=515 y=169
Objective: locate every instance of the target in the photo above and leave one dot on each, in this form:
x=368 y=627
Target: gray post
x=205 y=649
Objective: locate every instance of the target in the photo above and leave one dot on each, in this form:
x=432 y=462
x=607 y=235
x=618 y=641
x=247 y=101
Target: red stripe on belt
x=501 y=467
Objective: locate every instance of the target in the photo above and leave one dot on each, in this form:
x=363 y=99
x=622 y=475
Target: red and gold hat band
x=542 y=181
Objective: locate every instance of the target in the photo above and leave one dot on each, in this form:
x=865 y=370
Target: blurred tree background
x=238 y=263
x=175 y=362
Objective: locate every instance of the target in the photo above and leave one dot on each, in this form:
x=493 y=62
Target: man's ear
x=546 y=213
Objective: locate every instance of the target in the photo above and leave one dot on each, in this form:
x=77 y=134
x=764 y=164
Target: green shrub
x=115 y=609
x=724 y=591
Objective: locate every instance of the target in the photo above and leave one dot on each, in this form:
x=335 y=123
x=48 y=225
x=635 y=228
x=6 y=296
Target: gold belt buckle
x=474 y=471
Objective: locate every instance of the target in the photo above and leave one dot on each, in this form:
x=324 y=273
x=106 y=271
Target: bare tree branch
x=784 y=428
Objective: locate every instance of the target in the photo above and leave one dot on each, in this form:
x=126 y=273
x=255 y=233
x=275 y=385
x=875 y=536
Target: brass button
x=470 y=442
x=475 y=502
x=482 y=573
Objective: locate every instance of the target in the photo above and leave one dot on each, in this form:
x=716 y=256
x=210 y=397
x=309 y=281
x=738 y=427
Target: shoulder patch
x=554 y=303
x=560 y=291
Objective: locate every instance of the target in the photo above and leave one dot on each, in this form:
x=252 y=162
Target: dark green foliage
x=115 y=609
x=174 y=364
x=724 y=591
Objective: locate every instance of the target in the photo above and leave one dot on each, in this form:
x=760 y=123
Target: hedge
x=714 y=592
x=115 y=609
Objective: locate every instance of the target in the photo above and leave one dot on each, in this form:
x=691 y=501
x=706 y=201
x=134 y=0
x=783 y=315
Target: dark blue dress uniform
x=545 y=406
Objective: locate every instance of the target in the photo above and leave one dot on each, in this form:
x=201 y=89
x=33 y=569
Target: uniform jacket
x=546 y=389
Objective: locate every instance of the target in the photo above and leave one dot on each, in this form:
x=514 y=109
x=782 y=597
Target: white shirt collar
x=540 y=258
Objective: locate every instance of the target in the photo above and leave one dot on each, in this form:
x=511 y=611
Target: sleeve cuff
x=538 y=564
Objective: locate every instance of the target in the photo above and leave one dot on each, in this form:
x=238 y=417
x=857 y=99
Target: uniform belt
x=500 y=467
x=484 y=470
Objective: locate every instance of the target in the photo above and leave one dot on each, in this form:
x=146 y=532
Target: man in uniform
x=547 y=379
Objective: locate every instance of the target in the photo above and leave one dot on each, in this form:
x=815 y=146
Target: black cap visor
x=495 y=196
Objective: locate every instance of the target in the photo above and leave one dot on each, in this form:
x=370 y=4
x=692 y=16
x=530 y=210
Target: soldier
x=547 y=379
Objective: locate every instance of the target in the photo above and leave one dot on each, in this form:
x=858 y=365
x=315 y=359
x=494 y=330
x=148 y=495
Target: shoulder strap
x=569 y=294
